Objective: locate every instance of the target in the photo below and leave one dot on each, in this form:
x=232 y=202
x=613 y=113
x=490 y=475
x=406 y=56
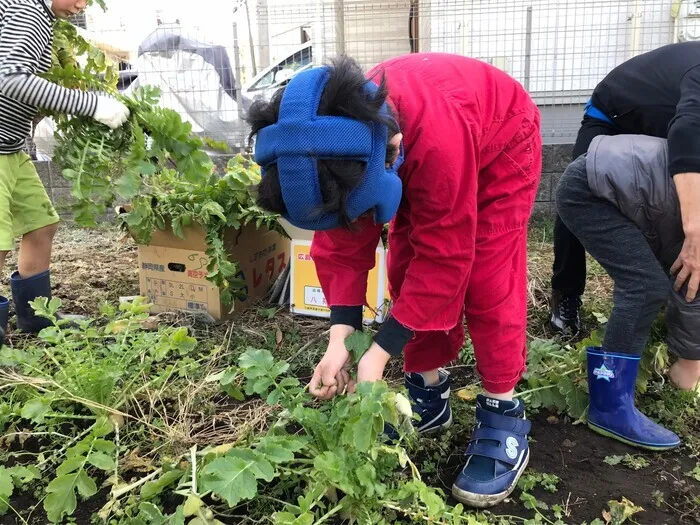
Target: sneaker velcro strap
x=512 y=424
x=426 y=395
x=483 y=443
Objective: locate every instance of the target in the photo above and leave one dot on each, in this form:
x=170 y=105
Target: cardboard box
x=306 y=295
x=173 y=271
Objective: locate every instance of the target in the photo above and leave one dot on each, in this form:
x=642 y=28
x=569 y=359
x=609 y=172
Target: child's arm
x=24 y=37
x=684 y=161
x=343 y=260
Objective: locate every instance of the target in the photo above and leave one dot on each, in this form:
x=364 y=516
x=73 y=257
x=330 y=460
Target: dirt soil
x=91 y=267
x=575 y=454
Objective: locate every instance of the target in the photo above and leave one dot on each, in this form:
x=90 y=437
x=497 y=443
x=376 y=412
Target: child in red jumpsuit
x=467 y=139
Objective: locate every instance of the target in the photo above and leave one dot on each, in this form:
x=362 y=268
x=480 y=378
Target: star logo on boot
x=603 y=372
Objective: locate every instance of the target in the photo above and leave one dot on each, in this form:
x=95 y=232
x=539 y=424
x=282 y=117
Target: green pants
x=24 y=204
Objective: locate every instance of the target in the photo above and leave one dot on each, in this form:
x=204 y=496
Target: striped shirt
x=26 y=38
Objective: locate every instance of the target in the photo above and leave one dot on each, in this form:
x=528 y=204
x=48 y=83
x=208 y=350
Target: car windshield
x=296 y=61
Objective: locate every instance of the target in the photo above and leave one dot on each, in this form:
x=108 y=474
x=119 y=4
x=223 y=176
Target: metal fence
x=228 y=53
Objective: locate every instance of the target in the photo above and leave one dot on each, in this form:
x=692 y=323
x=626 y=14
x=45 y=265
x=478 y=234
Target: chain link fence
x=212 y=59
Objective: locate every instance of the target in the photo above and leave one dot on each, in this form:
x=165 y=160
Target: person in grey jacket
x=620 y=202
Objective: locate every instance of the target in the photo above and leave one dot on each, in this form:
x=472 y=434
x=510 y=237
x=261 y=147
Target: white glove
x=110 y=112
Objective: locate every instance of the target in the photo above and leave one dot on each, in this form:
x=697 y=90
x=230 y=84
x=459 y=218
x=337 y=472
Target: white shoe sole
x=482 y=501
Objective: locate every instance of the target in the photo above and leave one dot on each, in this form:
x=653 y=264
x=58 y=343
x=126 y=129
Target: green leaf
x=529 y=501
x=367 y=476
x=6 y=489
x=70 y=465
x=613 y=460
x=267 y=313
x=227 y=382
x=178 y=518
x=212 y=208
x=432 y=500
x=695 y=473
x=235 y=478
x=182 y=342
x=280 y=449
x=176 y=225
x=24 y=474
x=129 y=185
x=621 y=511
x=85 y=484
x=146 y=168
x=192 y=505
x=630 y=461
x=36 y=409
x=548 y=398
x=332 y=465
x=101 y=460
x=255 y=363
x=261 y=468
x=259 y=385
x=287 y=518
x=61 y=499
x=103 y=427
x=576 y=398
x=153 y=488
x=151 y=514
x=363 y=433
x=357 y=344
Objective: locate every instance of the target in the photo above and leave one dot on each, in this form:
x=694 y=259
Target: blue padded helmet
x=301 y=137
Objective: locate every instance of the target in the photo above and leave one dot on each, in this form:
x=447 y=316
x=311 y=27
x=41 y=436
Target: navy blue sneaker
x=497 y=453
x=431 y=403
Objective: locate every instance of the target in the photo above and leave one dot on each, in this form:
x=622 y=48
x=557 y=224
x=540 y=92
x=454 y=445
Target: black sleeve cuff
x=393 y=336
x=348 y=315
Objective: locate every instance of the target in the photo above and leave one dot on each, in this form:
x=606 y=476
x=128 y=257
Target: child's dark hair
x=344 y=95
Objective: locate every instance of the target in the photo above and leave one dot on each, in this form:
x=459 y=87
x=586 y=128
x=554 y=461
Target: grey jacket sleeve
x=683 y=321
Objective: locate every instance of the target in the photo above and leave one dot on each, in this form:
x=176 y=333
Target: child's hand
x=111 y=112
x=331 y=375
x=371 y=366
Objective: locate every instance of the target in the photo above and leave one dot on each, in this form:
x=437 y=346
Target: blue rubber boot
x=4 y=313
x=611 y=380
x=497 y=454
x=26 y=290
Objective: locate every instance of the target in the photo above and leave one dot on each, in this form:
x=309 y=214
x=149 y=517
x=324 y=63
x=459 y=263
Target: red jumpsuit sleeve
x=442 y=199
x=343 y=259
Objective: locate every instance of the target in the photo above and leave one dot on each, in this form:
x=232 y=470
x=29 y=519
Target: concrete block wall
x=56 y=186
x=555 y=159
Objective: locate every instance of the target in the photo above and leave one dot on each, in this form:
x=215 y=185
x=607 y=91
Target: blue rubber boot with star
x=611 y=382
x=497 y=454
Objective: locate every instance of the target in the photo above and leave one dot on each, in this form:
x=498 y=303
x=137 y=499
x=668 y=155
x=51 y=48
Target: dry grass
x=597 y=297
x=92 y=267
